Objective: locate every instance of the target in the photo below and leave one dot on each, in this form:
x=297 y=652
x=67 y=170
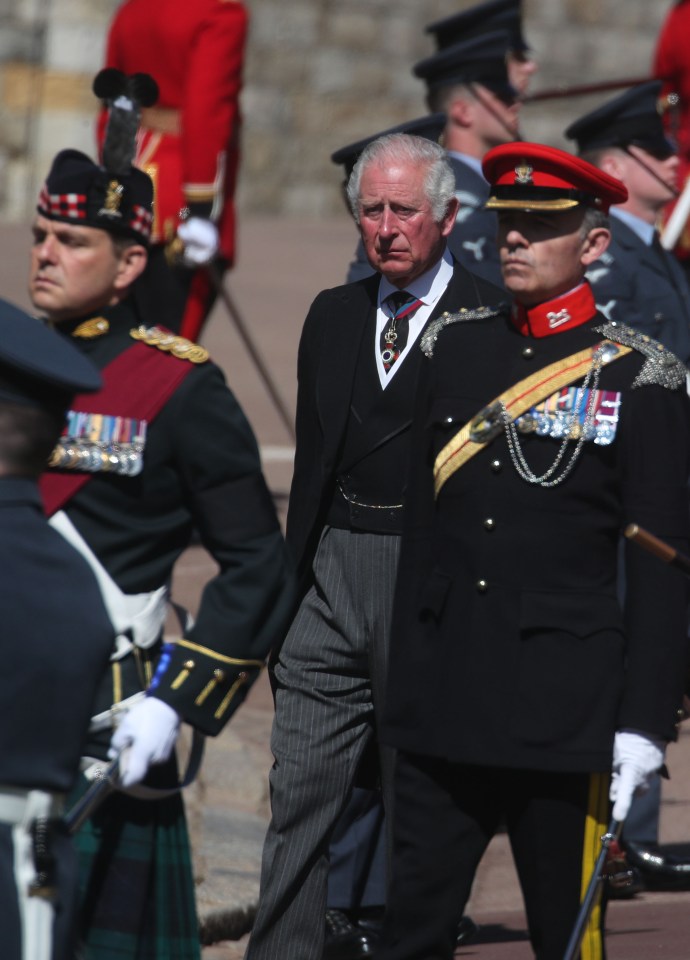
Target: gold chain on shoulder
x=179 y=347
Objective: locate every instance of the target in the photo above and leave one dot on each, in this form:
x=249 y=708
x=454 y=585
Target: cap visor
x=502 y=203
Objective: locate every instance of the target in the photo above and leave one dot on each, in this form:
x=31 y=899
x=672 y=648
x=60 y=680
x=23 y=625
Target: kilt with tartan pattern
x=136 y=881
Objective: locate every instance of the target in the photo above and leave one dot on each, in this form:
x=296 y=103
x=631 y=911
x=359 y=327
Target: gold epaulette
x=96 y=327
x=162 y=339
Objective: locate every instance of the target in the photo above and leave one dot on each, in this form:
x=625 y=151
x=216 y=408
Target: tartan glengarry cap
x=80 y=192
x=532 y=176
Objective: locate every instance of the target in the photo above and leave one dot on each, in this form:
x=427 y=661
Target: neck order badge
x=401 y=305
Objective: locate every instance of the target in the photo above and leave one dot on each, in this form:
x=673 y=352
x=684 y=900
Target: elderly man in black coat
x=357 y=368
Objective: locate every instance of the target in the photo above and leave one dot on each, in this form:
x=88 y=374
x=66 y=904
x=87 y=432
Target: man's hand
x=636 y=758
x=146 y=735
x=201 y=241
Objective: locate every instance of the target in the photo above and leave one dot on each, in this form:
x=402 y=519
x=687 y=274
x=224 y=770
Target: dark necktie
x=663 y=255
x=401 y=305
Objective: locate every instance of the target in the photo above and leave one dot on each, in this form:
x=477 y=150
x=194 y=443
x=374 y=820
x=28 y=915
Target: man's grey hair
x=439 y=183
x=593 y=219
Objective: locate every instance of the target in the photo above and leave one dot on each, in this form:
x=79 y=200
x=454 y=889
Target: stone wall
x=319 y=74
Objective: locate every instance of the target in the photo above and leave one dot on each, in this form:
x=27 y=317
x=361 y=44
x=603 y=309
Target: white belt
x=19 y=806
x=141 y=615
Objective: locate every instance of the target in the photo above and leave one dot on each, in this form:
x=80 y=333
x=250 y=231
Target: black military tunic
x=512 y=663
x=57 y=641
x=509 y=646
x=200 y=468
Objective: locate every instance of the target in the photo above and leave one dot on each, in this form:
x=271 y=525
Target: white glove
x=201 y=241
x=636 y=757
x=146 y=735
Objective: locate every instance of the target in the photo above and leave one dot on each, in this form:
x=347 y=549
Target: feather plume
x=123 y=97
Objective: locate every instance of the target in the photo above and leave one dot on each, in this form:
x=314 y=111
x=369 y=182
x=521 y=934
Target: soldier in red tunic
x=672 y=65
x=189 y=141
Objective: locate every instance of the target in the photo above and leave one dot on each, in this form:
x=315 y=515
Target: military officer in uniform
x=640 y=283
x=484 y=44
x=468 y=81
x=57 y=640
x=517 y=680
x=636 y=280
x=162 y=448
x=190 y=140
x=357 y=368
x=488 y=17
x=671 y=64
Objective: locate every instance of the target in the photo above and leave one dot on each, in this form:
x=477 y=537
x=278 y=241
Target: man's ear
x=448 y=221
x=459 y=111
x=595 y=243
x=612 y=162
x=132 y=263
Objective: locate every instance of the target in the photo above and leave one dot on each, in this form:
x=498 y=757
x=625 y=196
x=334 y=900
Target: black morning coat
x=329 y=351
x=509 y=647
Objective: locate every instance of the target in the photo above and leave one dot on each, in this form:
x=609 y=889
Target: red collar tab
x=572 y=309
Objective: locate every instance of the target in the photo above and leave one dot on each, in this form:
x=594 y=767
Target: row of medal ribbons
x=98 y=442
x=564 y=413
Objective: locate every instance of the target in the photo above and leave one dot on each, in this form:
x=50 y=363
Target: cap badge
x=523 y=173
x=113 y=199
x=668 y=102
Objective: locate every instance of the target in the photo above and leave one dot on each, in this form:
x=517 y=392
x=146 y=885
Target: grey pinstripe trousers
x=330 y=680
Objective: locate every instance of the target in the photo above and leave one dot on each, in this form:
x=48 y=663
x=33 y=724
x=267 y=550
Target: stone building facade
x=320 y=74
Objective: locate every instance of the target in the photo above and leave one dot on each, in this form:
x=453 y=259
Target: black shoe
x=658 y=870
x=467 y=930
x=344 y=940
x=370 y=920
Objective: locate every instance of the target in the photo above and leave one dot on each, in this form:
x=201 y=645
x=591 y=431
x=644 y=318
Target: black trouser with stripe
x=445 y=814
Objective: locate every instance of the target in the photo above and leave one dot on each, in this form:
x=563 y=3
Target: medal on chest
x=96 y=442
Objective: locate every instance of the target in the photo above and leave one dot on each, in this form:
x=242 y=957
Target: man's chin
x=515 y=281
x=392 y=267
x=39 y=299
x=44 y=304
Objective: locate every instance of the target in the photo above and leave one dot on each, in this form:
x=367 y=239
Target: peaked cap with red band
x=531 y=176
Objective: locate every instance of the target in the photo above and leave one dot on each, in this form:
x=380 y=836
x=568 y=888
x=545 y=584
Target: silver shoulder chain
x=661 y=367
x=588 y=390
x=428 y=341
